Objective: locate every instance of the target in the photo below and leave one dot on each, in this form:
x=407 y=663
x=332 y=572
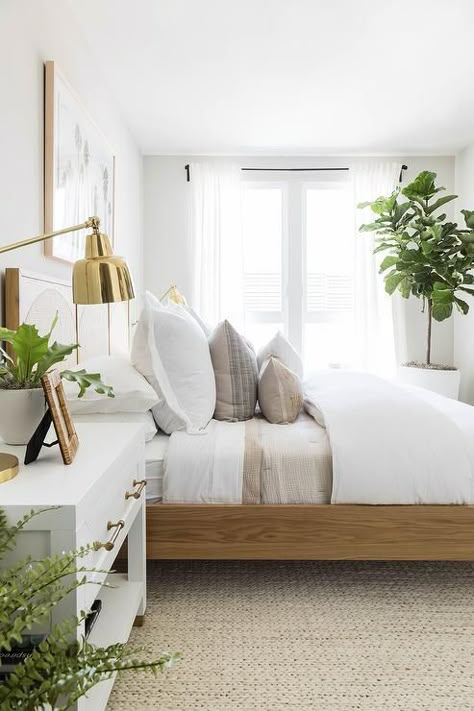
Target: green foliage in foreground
x=60 y=670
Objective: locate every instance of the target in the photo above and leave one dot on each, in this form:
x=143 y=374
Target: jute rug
x=307 y=635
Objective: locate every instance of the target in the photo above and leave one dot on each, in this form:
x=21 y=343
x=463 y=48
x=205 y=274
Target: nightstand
x=101 y=499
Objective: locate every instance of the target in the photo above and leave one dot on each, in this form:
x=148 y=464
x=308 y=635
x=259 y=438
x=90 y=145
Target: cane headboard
x=35 y=298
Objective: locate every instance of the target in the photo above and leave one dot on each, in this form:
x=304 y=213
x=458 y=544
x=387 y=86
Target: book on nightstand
x=20 y=653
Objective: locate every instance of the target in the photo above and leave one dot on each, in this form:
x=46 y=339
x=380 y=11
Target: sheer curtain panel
x=216 y=225
x=373 y=307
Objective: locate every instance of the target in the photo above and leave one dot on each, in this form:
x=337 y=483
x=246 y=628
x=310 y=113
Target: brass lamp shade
x=176 y=296
x=101 y=278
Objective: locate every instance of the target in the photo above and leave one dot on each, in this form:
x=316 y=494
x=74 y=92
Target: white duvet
x=391 y=444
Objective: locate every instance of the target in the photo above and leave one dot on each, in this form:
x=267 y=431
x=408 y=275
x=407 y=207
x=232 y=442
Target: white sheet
x=393 y=445
x=206 y=468
x=288 y=463
x=155 y=453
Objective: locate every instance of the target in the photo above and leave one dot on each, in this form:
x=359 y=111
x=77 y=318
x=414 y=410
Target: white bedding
x=392 y=444
x=155 y=452
x=250 y=462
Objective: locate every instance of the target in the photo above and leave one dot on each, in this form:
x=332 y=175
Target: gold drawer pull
x=136 y=494
x=118 y=527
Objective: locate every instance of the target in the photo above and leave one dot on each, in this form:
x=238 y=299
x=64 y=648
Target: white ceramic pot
x=444 y=382
x=20 y=414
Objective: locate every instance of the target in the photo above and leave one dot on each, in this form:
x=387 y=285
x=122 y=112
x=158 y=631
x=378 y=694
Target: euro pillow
x=280 y=347
x=144 y=418
x=132 y=392
x=172 y=352
x=280 y=394
x=236 y=375
x=206 y=328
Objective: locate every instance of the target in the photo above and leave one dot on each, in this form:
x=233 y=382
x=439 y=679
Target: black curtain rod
x=278 y=170
x=285 y=170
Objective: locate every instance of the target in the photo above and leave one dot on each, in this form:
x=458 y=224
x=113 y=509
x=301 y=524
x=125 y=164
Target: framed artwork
x=56 y=400
x=79 y=169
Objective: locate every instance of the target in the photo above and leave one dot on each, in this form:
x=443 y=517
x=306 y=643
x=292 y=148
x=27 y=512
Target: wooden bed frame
x=259 y=532
x=309 y=532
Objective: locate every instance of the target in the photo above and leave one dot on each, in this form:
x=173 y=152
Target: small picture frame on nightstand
x=62 y=420
x=58 y=413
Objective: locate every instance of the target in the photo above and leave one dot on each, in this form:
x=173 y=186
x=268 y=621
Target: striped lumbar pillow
x=235 y=370
x=280 y=394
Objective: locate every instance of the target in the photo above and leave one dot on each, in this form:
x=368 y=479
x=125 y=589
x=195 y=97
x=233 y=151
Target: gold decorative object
x=110 y=544
x=141 y=483
x=174 y=295
x=8 y=466
x=100 y=278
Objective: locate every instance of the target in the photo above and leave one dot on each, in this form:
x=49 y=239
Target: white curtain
x=216 y=226
x=374 y=308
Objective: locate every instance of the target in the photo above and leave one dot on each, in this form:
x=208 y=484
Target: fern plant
x=34 y=355
x=59 y=671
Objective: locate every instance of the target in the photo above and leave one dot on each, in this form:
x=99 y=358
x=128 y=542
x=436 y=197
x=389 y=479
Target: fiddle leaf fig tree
x=428 y=256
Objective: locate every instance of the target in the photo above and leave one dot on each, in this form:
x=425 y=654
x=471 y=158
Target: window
x=298 y=267
x=263 y=218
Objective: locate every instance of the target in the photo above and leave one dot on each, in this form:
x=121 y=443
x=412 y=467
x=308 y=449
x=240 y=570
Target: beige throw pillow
x=235 y=370
x=279 y=392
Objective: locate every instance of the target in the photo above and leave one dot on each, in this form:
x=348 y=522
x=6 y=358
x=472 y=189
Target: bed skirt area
x=309 y=532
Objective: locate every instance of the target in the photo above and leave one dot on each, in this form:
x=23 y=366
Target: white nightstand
x=91 y=493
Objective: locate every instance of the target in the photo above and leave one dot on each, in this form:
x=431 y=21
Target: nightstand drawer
x=106 y=509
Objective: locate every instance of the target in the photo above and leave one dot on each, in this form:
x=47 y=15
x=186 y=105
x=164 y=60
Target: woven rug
x=307 y=635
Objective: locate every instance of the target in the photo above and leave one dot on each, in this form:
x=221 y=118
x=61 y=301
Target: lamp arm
x=93 y=222
x=173 y=286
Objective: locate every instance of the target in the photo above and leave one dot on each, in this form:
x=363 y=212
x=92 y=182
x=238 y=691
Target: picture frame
x=64 y=426
x=79 y=169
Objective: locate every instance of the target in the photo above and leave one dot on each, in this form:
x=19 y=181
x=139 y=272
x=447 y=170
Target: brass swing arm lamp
x=99 y=278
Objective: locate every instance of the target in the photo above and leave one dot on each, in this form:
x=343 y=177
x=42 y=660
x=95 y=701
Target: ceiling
x=288 y=77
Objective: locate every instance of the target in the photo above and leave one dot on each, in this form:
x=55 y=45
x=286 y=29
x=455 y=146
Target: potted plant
x=21 y=395
x=56 y=671
x=428 y=257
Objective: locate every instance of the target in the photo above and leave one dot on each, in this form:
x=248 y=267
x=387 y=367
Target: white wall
x=168 y=252
x=464 y=325
x=30 y=33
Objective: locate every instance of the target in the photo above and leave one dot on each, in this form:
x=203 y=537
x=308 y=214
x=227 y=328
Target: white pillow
x=131 y=390
x=281 y=348
x=172 y=352
x=207 y=329
x=146 y=418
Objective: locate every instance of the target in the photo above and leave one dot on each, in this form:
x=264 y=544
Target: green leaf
x=468 y=218
x=56 y=354
x=463 y=306
x=440 y=202
x=441 y=312
x=404 y=287
x=392 y=281
x=387 y=262
x=29 y=348
x=86 y=380
x=7 y=335
x=410 y=255
x=385 y=245
x=372 y=227
x=422 y=187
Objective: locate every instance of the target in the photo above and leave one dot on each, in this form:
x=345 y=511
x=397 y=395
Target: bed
x=248 y=531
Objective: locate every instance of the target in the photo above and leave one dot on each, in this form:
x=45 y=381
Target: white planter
x=444 y=382
x=20 y=414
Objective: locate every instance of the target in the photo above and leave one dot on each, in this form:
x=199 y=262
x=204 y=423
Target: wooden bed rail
x=310 y=532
